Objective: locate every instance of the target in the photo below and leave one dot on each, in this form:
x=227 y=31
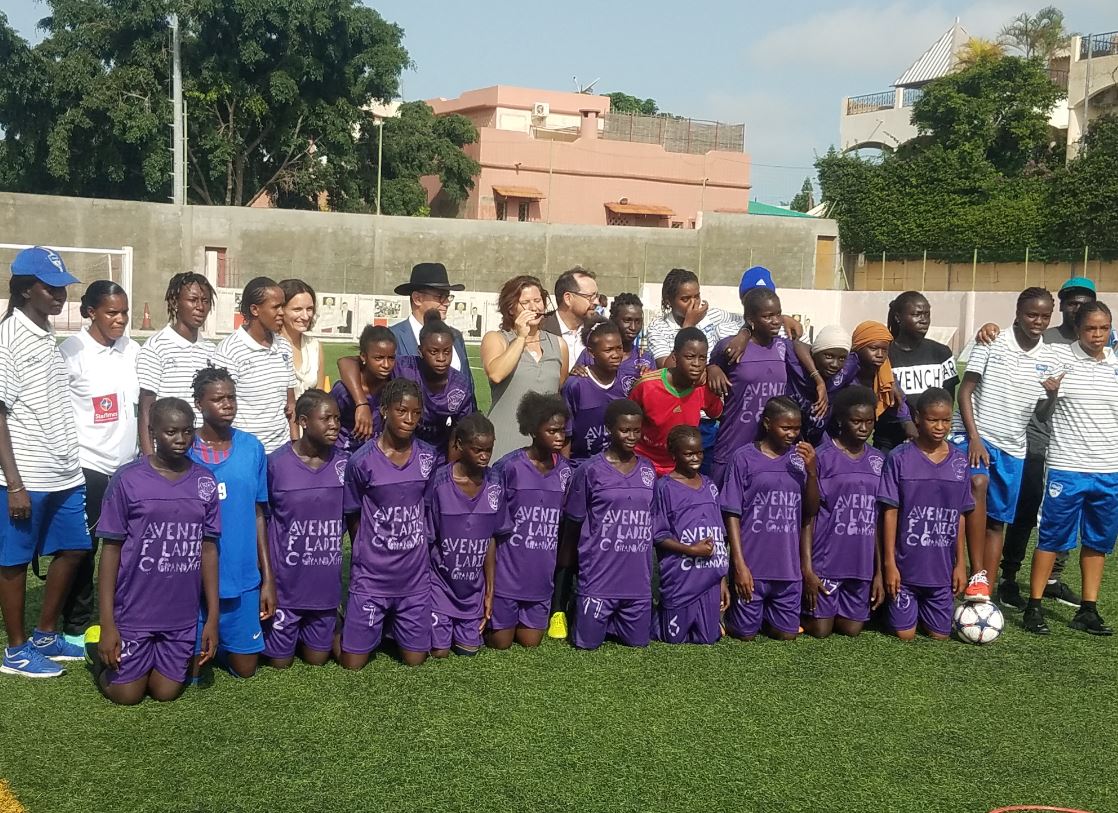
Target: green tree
x=1040 y=35
x=1084 y=201
x=85 y=112
x=996 y=109
x=624 y=103
x=276 y=92
x=804 y=199
x=416 y=144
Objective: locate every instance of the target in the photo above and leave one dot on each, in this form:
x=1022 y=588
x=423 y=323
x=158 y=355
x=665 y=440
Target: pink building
x=564 y=158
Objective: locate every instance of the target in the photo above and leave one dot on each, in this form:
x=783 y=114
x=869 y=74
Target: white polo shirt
x=40 y=420
x=105 y=394
x=1006 y=397
x=716 y=325
x=167 y=363
x=455 y=361
x=1085 y=423
x=263 y=376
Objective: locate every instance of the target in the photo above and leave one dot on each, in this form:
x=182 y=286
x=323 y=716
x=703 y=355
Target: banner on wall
x=343 y=316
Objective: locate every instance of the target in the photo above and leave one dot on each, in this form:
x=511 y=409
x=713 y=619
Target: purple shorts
x=509 y=613
x=447 y=632
x=932 y=607
x=168 y=652
x=697 y=622
x=845 y=598
x=365 y=618
x=284 y=631
x=629 y=620
x=777 y=603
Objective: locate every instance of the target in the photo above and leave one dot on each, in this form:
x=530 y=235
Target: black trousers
x=77 y=609
x=1018 y=532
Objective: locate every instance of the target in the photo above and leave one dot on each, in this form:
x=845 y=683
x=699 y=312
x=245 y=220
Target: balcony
x=885 y=100
x=870 y=102
x=1098 y=45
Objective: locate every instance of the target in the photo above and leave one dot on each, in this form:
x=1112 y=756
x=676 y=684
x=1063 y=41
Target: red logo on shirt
x=106 y=409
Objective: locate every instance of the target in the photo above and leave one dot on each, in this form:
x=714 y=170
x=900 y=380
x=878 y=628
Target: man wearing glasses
x=576 y=297
x=429 y=288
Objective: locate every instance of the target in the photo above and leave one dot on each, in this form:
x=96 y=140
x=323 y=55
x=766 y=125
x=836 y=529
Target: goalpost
x=87 y=263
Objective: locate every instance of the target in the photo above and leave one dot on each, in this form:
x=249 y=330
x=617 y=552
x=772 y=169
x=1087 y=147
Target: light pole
x=178 y=137
x=379 y=124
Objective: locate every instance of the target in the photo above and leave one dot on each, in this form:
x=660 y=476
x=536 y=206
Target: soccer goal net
x=87 y=263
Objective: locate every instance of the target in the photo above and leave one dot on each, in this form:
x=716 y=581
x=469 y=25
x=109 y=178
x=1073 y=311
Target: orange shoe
x=978 y=588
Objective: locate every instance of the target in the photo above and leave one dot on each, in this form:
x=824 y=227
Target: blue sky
x=782 y=68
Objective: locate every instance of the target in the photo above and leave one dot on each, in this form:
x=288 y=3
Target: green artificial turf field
x=866 y=724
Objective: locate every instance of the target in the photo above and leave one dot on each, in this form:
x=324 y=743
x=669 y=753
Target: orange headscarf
x=883 y=385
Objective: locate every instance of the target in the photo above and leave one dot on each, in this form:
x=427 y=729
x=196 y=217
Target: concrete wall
x=369 y=254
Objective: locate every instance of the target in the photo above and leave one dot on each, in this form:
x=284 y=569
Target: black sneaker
x=1062 y=593
x=1009 y=595
x=1033 y=622
x=1090 y=622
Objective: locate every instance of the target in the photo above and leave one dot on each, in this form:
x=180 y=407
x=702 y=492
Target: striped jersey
x=263 y=376
x=1085 y=423
x=1006 y=397
x=716 y=325
x=33 y=389
x=167 y=363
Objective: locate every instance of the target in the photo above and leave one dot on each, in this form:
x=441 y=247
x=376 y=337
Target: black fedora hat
x=428 y=275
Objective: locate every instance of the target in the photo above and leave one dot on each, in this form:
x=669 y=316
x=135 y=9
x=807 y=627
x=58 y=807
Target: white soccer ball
x=978 y=622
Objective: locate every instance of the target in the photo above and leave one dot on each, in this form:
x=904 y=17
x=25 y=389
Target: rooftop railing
x=870 y=102
x=1098 y=45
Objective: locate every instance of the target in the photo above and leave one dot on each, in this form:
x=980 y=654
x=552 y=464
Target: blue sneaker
x=57 y=648
x=27 y=661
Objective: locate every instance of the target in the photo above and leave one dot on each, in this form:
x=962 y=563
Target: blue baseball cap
x=45 y=265
x=756 y=277
x=1077 y=282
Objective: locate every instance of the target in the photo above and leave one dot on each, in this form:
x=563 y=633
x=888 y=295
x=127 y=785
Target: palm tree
x=1040 y=35
x=976 y=50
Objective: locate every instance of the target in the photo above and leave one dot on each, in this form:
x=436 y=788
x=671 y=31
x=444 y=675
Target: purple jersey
x=761 y=374
x=587 y=400
x=346 y=442
x=687 y=515
x=615 y=544
x=526 y=555
x=160 y=525
x=305 y=529
x=441 y=410
x=635 y=364
x=845 y=537
x=930 y=499
x=389 y=558
x=460 y=530
x=767 y=494
x=848 y=375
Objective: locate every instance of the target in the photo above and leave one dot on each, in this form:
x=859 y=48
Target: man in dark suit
x=576 y=294
x=428 y=289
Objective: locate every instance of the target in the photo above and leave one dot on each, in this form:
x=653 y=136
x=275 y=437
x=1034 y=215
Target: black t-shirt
x=930 y=364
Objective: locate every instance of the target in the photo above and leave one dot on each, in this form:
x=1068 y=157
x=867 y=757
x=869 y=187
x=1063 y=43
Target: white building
x=1088 y=72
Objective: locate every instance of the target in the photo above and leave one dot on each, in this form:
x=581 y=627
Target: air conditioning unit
x=541 y=110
